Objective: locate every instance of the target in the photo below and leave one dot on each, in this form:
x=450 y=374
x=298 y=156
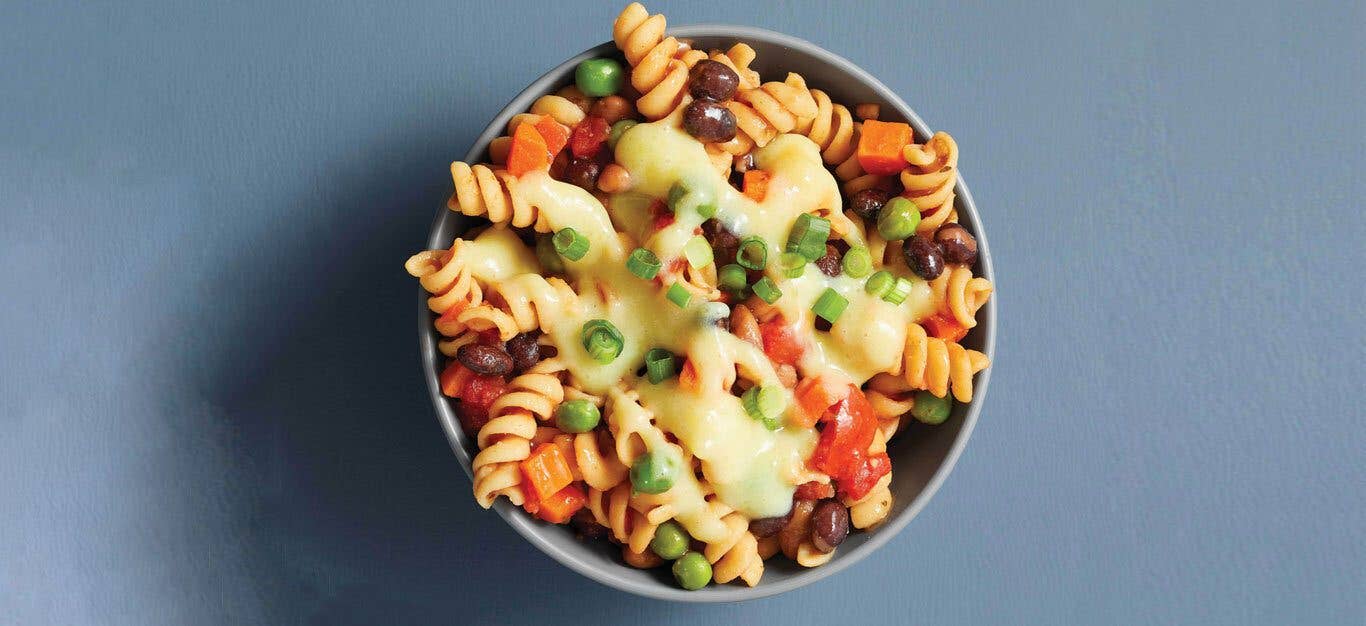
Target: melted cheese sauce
x=753 y=470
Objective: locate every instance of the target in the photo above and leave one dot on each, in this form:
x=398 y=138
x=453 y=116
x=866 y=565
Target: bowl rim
x=715 y=593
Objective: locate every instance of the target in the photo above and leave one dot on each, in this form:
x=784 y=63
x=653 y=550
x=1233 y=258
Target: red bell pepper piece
x=864 y=475
x=841 y=451
x=944 y=327
x=475 y=399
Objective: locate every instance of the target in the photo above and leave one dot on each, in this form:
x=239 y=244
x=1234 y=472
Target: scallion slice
x=570 y=244
x=791 y=264
x=767 y=291
x=857 y=262
x=752 y=253
x=602 y=340
x=808 y=236
x=698 y=252
x=830 y=305
x=679 y=295
x=897 y=294
x=732 y=277
x=765 y=403
x=643 y=263
x=879 y=283
x=660 y=364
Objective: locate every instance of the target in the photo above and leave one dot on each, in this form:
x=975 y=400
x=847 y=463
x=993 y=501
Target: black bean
x=583 y=172
x=587 y=527
x=709 y=121
x=525 y=351
x=958 y=244
x=830 y=263
x=829 y=525
x=769 y=526
x=713 y=80
x=484 y=360
x=923 y=256
x=723 y=242
x=867 y=203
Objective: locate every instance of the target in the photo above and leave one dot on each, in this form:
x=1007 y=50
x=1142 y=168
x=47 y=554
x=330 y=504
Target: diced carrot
x=880 y=145
x=528 y=152
x=687 y=376
x=546 y=471
x=815 y=395
x=781 y=342
x=562 y=505
x=454 y=378
x=555 y=134
x=756 y=184
x=944 y=327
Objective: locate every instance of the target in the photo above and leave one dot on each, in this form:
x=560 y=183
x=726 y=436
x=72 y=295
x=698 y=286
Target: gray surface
x=210 y=407
x=923 y=457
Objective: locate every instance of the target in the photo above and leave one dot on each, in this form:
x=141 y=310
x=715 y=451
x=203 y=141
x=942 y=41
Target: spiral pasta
x=656 y=73
x=929 y=179
x=521 y=298
x=937 y=365
x=735 y=555
x=891 y=399
x=481 y=191
x=445 y=275
x=761 y=114
x=831 y=128
x=506 y=439
x=612 y=509
x=961 y=293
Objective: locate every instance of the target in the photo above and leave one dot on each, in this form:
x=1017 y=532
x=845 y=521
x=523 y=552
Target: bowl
x=922 y=456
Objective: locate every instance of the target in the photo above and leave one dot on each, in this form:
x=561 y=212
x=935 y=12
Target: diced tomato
x=844 y=440
x=475 y=399
x=944 y=327
x=864 y=475
x=815 y=491
x=814 y=395
x=559 y=507
x=454 y=378
x=781 y=342
x=555 y=134
x=589 y=137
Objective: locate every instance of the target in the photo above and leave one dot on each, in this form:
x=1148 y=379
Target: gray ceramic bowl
x=921 y=456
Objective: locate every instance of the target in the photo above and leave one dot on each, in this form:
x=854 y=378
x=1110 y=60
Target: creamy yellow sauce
x=753 y=470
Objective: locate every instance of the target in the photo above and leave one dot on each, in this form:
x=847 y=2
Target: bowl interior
x=922 y=456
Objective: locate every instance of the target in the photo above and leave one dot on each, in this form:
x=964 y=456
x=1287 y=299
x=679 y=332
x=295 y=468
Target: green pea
x=577 y=416
x=619 y=129
x=670 y=541
x=546 y=255
x=898 y=219
x=599 y=77
x=692 y=571
x=653 y=473
x=931 y=409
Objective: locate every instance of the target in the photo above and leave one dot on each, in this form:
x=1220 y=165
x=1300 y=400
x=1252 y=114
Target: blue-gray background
x=211 y=405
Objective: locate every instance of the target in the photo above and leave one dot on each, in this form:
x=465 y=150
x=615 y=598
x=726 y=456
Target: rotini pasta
x=638 y=345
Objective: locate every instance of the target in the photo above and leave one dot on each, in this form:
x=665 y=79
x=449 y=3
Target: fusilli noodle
x=937 y=365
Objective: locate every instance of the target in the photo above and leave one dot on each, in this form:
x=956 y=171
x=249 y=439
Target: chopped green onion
x=898 y=219
x=570 y=244
x=830 y=305
x=619 y=129
x=706 y=209
x=765 y=403
x=879 y=283
x=660 y=364
x=545 y=253
x=679 y=295
x=733 y=277
x=643 y=263
x=792 y=264
x=676 y=194
x=808 y=236
x=752 y=253
x=602 y=340
x=898 y=292
x=698 y=252
x=767 y=291
x=857 y=262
